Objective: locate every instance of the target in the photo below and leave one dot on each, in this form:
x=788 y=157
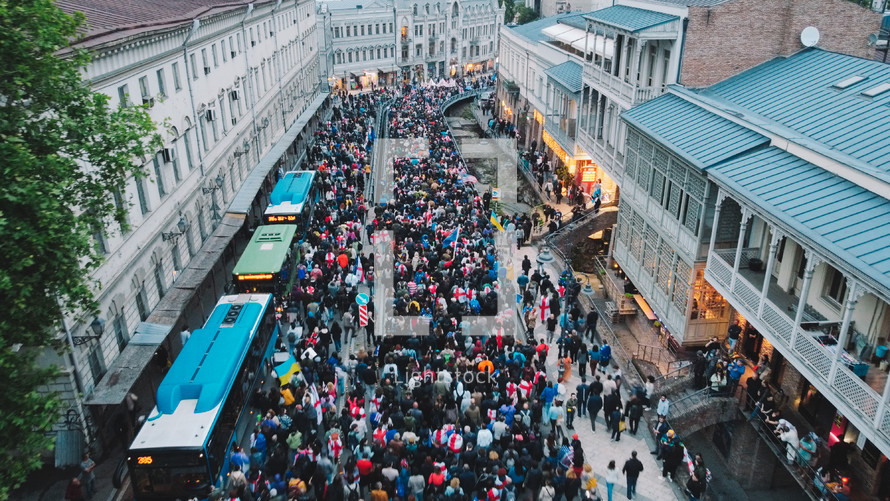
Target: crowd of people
x=437 y=415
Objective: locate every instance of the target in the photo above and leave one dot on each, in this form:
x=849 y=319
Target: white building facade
x=225 y=83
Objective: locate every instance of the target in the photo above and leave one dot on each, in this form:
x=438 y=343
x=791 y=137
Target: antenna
x=809 y=36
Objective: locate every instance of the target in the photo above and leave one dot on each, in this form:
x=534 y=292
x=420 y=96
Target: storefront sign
x=539 y=117
x=588 y=175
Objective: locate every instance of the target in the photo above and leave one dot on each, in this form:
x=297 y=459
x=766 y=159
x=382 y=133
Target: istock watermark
x=505 y=322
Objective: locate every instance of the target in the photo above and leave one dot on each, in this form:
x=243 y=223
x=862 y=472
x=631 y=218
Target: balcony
x=605 y=155
x=604 y=81
x=857 y=397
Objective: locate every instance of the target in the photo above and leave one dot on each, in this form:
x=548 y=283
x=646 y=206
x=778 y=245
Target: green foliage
x=526 y=14
x=65 y=153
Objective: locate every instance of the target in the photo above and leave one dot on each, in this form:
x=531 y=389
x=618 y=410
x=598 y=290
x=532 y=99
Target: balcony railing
x=772 y=315
x=605 y=81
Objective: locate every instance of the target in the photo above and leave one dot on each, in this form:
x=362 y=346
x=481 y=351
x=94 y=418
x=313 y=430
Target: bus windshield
x=171 y=482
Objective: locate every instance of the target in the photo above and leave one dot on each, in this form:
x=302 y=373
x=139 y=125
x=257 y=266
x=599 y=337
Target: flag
x=494 y=220
x=287 y=369
x=316 y=402
x=359 y=271
x=452 y=237
x=545 y=307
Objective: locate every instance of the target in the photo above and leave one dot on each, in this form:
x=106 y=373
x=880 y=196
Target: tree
x=526 y=14
x=66 y=153
x=509 y=10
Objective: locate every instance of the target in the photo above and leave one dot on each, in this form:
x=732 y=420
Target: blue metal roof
x=797 y=93
x=631 y=19
x=692 y=132
x=842 y=217
x=567 y=74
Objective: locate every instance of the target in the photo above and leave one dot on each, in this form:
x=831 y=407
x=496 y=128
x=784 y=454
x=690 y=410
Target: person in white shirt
x=499 y=428
x=484 y=438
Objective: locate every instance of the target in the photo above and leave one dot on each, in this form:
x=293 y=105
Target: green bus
x=267 y=262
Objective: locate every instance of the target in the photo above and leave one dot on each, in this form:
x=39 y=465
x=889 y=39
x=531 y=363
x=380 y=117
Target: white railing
x=777 y=320
x=719 y=269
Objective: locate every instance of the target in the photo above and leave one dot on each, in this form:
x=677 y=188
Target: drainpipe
x=278 y=64
x=196 y=23
x=256 y=133
x=682 y=47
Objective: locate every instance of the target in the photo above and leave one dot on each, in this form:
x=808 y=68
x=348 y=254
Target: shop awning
x=556 y=30
x=644 y=306
x=128 y=367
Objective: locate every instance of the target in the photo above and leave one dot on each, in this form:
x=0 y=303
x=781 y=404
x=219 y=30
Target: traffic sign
x=363 y=315
x=362 y=299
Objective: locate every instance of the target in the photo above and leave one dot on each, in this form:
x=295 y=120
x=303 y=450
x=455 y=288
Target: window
x=174 y=159
x=837 y=286
x=121 y=205
x=390 y=27
x=123 y=93
x=177 y=262
x=159 y=177
x=162 y=84
x=222 y=47
x=205 y=61
x=120 y=330
x=176 y=83
x=377 y=29
x=142 y=303
x=363 y=30
x=238 y=39
x=348 y=30
x=252 y=40
x=101 y=245
x=194 y=64
x=159 y=279
x=143 y=199
x=97 y=362
x=215 y=56
x=187 y=140
x=336 y=32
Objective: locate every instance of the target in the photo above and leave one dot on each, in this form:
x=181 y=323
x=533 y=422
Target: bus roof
x=267 y=249
x=194 y=388
x=293 y=188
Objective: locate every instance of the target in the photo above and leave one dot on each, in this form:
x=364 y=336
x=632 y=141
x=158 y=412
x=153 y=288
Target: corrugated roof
x=568 y=74
x=105 y=16
x=797 y=92
x=575 y=21
x=692 y=132
x=840 y=216
x=630 y=18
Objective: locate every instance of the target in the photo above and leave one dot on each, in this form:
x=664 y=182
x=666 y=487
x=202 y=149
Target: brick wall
x=752 y=462
x=792 y=383
x=738 y=35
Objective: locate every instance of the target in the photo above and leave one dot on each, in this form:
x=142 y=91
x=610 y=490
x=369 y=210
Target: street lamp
x=97 y=326
x=182 y=225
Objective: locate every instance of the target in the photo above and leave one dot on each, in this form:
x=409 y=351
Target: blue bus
x=182 y=450
x=292 y=200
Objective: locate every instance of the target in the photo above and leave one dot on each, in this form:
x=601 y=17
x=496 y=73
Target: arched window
x=414 y=9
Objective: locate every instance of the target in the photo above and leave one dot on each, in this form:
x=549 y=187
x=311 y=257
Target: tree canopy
x=65 y=153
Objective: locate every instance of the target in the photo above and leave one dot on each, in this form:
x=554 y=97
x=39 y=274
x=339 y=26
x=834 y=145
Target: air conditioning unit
x=234 y=120
x=234 y=95
x=207 y=70
x=234 y=54
x=210 y=115
x=169 y=154
x=150 y=101
x=271 y=33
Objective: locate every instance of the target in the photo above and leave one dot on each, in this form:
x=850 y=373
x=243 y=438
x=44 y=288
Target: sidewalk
x=50 y=483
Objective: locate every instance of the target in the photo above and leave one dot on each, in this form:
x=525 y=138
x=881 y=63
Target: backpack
x=352 y=494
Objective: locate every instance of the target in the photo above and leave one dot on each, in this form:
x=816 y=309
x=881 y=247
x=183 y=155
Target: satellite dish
x=872 y=40
x=809 y=36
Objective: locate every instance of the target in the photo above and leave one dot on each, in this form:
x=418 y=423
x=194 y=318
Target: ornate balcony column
x=812 y=261
x=774 y=241
x=743 y=228
x=721 y=196
x=854 y=292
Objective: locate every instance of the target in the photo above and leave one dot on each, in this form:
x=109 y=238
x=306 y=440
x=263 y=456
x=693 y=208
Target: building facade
x=231 y=81
x=794 y=240
x=385 y=42
x=634 y=51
